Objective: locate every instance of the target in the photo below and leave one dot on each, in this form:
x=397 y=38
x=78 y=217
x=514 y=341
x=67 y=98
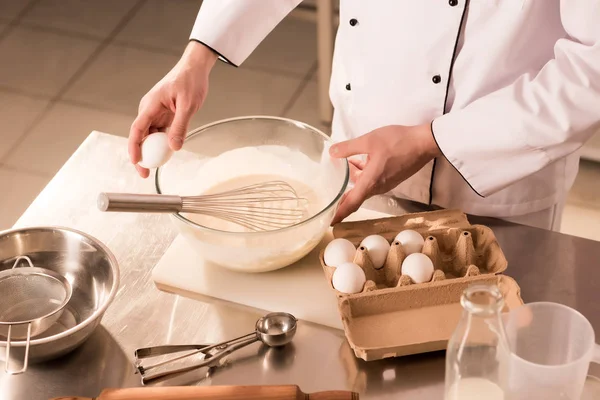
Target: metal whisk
x=259 y=207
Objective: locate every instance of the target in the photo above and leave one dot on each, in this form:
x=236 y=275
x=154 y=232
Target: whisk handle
x=152 y=203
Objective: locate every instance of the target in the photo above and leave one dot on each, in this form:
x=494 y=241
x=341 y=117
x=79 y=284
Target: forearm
x=198 y=57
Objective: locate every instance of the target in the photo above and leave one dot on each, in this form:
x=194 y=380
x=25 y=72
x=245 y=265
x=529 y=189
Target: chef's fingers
x=349 y=148
x=179 y=127
x=139 y=130
x=355 y=172
x=144 y=172
x=344 y=197
x=357 y=162
x=335 y=218
x=354 y=198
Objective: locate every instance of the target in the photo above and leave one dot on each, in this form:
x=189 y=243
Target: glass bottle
x=477 y=353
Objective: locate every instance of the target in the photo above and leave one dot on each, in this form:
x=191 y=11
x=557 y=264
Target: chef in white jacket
x=479 y=105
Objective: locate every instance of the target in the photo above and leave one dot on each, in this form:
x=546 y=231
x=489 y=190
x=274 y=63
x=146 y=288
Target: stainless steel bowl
x=87 y=264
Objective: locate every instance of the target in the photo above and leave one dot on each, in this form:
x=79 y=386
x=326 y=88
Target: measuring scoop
x=274 y=330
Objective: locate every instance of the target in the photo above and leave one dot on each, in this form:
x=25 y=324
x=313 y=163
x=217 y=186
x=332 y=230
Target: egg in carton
x=420 y=261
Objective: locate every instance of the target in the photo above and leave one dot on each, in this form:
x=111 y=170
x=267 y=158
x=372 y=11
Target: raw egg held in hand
x=378 y=248
x=339 y=251
x=419 y=267
x=411 y=241
x=155 y=150
x=348 y=278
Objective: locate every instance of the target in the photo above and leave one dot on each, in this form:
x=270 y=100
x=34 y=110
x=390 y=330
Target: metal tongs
x=274 y=330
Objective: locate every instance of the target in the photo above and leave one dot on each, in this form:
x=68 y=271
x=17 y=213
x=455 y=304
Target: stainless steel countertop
x=548 y=266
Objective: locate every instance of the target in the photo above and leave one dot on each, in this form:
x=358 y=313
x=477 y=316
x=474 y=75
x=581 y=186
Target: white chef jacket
x=512 y=87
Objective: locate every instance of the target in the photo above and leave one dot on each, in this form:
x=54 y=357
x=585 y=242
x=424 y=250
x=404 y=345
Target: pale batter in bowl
x=294 y=207
x=242 y=152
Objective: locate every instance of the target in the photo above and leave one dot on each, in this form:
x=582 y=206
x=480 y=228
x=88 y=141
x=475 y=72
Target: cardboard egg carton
x=393 y=316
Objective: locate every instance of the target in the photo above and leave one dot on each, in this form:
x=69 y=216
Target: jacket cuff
x=234 y=28
x=482 y=155
x=445 y=144
x=221 y=56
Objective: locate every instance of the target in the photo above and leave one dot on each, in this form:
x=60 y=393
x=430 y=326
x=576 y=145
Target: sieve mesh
x=27 y=296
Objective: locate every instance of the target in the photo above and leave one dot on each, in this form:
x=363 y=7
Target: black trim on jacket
x=460 y=29
x=221 y=56
x=461 y=175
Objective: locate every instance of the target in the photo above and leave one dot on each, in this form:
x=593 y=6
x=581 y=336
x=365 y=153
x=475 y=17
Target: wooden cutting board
x=300 y=289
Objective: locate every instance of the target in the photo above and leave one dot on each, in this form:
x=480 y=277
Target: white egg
x=378 y=247
x=155 y=150
x=339 y=251
x=411 y=241
x=349 y=278
x=419 y=267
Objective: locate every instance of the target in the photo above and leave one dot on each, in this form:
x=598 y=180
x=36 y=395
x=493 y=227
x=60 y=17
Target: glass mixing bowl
x=251 y=146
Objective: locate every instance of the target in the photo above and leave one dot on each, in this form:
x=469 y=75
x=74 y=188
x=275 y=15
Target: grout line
x=299 y=90
x=17 y=19
x=7 y=29
x=313 y=73
x=77 y=103
x=12 y=168
x=86 y=64
x=26 y=10
x=33 y=95
x=147 y=47
x=103 y=45
x=27 y=132
x=32 y=26
x=90 y=106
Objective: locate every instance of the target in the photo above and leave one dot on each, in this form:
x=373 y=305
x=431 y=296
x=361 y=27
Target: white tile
x=19 y=189
x=581 y=221
x=235 y=92
x=9 y=9
x=119 y=77
x=41 y=62
x=60 y=132
x=586 y=191
x=162 y=24
x=17 y=113
x=306 y=108
x=97 y=18
x=290 y=47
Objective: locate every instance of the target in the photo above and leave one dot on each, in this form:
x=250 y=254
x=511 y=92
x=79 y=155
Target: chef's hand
x=394 y=154
x=172 y=102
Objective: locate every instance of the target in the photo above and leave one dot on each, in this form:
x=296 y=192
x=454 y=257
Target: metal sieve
x=31 y=300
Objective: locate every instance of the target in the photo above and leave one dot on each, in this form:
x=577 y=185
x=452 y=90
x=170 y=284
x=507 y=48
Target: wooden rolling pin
x=217 y=393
